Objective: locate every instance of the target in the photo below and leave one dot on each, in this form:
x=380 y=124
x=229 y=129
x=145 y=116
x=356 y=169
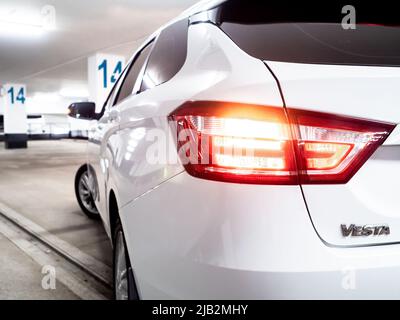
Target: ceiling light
x=17 y=22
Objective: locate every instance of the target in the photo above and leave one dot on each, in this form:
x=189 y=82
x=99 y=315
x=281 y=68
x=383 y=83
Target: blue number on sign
x=117 y=72
x=103 y=66
x=11 y=92
x=21 y=96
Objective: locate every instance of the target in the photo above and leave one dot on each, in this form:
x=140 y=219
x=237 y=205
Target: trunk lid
x=371 y=200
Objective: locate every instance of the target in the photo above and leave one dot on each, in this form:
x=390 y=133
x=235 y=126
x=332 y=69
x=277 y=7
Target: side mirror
x=83 y=111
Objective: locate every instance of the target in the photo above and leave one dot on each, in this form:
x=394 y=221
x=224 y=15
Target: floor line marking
x=72 y=282
x=90 y=264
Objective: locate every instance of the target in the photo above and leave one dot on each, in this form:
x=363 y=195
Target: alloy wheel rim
x=85 y=193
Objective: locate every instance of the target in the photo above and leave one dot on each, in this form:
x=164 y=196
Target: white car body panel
x=100 y=151
x=371 y=197
x=358 y=91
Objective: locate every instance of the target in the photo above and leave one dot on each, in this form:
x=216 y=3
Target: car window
x=313 y=34
x=132 y=75
x=111 y=96
x=168 y=55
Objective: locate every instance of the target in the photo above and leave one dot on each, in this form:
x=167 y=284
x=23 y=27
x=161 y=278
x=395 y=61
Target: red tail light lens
x=330 y=148
x=263 y=145
x=235 y=143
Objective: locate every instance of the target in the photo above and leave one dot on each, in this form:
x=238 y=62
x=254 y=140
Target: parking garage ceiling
x=49 y=61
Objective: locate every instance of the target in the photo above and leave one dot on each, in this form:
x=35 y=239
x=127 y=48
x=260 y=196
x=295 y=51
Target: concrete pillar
x=15 y=119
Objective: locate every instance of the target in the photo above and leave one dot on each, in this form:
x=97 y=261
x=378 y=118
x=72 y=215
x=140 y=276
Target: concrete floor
x=21 y=277
x=39 y=183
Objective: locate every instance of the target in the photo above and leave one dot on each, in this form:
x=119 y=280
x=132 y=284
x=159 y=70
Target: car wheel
x=83 y=193
x=124 y=282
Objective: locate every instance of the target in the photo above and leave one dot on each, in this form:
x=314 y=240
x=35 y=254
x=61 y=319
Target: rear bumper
x=195 y=239
x=215 y=283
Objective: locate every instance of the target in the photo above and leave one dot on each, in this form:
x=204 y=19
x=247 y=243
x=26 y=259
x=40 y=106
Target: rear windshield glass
x=314 y=33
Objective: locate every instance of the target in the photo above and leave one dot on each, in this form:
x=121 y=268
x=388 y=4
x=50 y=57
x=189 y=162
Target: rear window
x=313 y=33
x=168 y=56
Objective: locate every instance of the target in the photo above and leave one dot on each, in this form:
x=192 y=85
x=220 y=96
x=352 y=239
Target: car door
x=99 y=135
x=103 y=144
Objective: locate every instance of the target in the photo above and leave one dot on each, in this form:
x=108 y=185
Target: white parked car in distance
x=250 y=150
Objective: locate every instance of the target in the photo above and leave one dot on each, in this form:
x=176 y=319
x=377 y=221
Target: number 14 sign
x=103 y=72
x=14 y=97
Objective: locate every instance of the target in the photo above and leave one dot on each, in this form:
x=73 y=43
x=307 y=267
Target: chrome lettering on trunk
x=364 y=231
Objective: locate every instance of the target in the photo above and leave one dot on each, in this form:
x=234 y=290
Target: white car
x=251 y=151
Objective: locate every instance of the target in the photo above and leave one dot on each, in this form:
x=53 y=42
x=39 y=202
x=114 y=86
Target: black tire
x=131 y=290
x=88 y=209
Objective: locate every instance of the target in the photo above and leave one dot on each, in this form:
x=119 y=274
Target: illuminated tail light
x=265 y=145
x=330 y=148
